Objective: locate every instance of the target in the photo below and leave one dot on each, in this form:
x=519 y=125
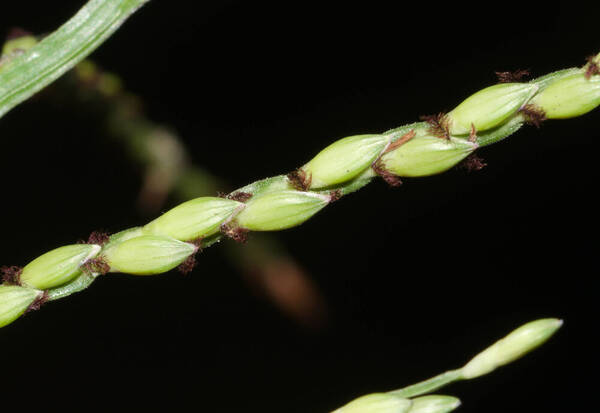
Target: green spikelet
x=58 y=266
x=569 y=96
x=427 y=155
x=148 y=254
x=343 y=160
x=489 y=107
x=198 y=218
x=14 y=301
x=280 y=210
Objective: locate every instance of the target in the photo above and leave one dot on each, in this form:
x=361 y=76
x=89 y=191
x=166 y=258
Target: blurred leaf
x=29 y=72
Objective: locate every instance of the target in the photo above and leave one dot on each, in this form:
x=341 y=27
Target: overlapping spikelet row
x=419 y=149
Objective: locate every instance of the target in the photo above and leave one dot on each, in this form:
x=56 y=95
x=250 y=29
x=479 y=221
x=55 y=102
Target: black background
x=417 y=278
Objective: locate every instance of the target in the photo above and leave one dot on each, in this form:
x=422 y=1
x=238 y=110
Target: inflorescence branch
x=425 y=148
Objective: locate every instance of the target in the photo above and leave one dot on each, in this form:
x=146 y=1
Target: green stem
x=429 y=385
x=28 y=73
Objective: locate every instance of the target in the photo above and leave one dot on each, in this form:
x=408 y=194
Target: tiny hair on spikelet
x=239 y=196
x=592 y=67
x=299 y=179
x=439 y=125
x=97 y=265
x=236 y=233
x=98 y=238
x=533 y=115
x=472 y=163
x=335 y=195
x=11 y=274
x=378 y=166
x=390 y=178
x=190 y=262
x=188 y=265
x=512 y=77
x=38 y=302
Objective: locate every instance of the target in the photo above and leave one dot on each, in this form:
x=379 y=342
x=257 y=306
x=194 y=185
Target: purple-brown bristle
x=387 y=176
x=512 y=77
x=439 y=125
x=473 y=163
x=190 y=262
x=534 y=115
x=239 y=196
x=236 y=233
x=11 y=274
x=198 y=243
x=98 y=238
x=473 y=134
x=593 y=67
x=188 y=265
x=299 y=179
x=97 y=265
x=400 y=141
x=335 y=195
x=38 y=302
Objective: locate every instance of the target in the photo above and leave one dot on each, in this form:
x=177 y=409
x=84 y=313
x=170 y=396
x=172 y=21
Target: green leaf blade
x=27 y=74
